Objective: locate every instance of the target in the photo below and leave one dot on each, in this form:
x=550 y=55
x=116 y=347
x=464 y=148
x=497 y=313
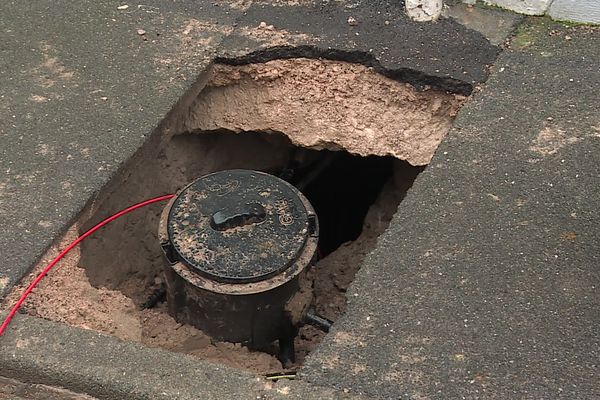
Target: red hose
x=41 y=275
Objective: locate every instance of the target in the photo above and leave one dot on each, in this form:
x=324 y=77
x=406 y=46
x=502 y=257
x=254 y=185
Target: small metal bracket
x=170 y=253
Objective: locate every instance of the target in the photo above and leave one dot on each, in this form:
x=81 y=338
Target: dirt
x=268 y=36
x=297 y=306
x=160 y=330
x=185 y=152
x=551 y=139
x=185 y=158
x=323 y=104
x=66 y=295
x=101 y=285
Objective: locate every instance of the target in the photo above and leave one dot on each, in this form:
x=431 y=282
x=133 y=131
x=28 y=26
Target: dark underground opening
x=354 y=197
x=342 y=192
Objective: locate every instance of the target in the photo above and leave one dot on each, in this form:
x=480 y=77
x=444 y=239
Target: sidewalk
x=484 y=286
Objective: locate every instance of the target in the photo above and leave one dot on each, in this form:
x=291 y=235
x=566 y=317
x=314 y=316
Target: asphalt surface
x=82 y=89
x=11 y=389
x=445 y=54
x=495 y=24
x=86 y=85
x=486 y=283
x=92 y=363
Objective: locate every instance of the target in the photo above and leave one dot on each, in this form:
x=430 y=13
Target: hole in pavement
x=337 y=131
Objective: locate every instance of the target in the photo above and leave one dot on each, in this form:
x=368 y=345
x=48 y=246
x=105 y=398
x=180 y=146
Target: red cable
x=16 y=307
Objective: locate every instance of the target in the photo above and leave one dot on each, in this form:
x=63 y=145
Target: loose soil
x=236 y=122
x=324 y=104
x=66 y=295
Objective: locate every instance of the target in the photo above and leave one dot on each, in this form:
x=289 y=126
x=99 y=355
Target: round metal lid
x=239 y=226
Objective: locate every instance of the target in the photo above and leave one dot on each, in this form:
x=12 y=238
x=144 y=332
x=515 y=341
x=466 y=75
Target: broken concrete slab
x=579 y=11
x=486 y=282
x=445 y=54
x=584 y=11
x=424 y=10
x=528 y=7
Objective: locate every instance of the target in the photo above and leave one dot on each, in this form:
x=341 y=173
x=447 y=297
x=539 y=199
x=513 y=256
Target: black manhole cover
x=239 y=226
